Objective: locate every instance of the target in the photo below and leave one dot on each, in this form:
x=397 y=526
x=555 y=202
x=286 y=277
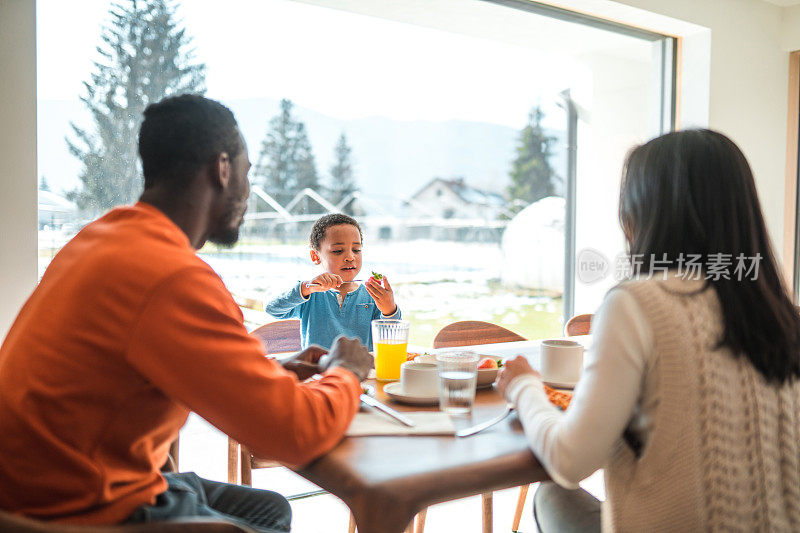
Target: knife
x=372 y=402
x=483 y=425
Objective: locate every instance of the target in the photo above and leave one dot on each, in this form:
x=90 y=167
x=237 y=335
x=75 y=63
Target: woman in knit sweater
x=689 y=398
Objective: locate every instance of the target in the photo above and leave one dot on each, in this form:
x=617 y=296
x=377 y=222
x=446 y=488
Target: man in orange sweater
x=129 y=330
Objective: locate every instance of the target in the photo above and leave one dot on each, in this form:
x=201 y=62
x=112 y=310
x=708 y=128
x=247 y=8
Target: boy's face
x=340 y=251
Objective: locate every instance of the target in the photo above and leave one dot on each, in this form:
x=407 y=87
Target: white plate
x=395 y=392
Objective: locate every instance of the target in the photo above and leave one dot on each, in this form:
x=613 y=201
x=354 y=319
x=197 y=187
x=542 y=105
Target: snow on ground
x=426 y=275
x=435 y=282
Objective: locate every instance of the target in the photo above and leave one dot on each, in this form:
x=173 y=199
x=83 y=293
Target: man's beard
x=225 y=237
x=226 y=232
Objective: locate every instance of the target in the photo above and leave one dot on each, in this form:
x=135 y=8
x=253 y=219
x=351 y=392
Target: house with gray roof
x=454 y=198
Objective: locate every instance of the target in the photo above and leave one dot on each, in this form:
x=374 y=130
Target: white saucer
x=565 y=385
x=395 y=392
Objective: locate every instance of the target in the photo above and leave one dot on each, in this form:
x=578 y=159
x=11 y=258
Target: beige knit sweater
x=724 y=454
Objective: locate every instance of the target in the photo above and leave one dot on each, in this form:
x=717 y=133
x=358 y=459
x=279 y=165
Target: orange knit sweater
x=129 y=330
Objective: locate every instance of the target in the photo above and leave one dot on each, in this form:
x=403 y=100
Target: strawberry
x=487 y=362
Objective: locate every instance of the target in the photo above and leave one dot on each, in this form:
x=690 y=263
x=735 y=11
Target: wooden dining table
x=386 y=480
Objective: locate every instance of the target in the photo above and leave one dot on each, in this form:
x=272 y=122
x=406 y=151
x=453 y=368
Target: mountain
x=392 y=159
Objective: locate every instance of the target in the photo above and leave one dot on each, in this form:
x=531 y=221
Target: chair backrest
x=469 y=332
x=10 y=523
x=172 y=459
x=279 y=336
x=578 y=325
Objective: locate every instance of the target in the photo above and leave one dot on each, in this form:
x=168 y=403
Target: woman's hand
x=511 y=369
x=321 y=283
x=382 y=294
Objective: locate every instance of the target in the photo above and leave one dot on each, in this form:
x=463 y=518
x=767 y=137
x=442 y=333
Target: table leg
x=233 y=461
x=375 y=517
x=421 y=521
x=523 y=494
x=487 y=498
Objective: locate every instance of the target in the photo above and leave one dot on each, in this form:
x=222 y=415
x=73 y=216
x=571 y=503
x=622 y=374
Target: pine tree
x=307 y=177
x=44 y=186
x=286 y=163
x=144 y=57
x=532 y=177
x=343 y=182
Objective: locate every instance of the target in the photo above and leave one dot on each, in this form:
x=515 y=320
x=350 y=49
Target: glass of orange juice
x=390 y=341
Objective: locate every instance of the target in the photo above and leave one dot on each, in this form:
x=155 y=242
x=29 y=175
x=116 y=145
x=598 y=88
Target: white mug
x=419 y=379
x=561 y=361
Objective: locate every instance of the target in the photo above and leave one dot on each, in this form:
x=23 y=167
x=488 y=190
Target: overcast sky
x=342 y=64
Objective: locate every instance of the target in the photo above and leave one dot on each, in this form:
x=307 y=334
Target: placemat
x=425 y=423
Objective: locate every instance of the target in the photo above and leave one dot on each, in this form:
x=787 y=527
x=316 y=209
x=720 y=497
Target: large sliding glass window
x=479 y=143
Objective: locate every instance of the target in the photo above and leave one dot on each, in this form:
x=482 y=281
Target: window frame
x=668 y=118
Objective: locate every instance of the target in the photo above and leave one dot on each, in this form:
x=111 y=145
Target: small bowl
x=486 y=376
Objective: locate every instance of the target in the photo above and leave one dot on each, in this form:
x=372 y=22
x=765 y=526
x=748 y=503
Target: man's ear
x=222 y=168
x=314 y=256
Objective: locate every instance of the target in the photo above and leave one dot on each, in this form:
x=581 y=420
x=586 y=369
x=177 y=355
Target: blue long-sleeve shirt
x=322 y=319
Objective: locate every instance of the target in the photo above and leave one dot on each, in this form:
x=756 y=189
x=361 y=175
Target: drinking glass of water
x=458 y=371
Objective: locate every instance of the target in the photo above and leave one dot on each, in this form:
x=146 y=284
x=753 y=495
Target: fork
x=310 y=284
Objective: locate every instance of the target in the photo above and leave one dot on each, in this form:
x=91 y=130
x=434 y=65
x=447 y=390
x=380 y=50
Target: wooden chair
x=277 y=337
x=280 y=336
x=578 y=325
x=466 y=333
x=172 y=459
x=10 y=523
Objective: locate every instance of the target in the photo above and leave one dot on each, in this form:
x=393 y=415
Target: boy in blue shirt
x=332 y=304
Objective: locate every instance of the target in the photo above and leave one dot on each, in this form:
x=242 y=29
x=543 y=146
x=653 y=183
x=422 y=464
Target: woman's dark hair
x=182 y=134
x=692 y=192
x=323 y=223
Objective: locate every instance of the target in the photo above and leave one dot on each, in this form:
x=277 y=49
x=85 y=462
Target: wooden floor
x=204 y=451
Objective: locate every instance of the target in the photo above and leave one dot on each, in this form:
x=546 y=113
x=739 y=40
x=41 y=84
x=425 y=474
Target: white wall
x=790 y=29
x=748 y=82
x=18 y=205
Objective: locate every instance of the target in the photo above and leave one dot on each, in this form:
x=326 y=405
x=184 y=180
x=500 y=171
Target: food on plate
x=410 y=356
x=487 y=363
x=558 y=398
x=377 y=276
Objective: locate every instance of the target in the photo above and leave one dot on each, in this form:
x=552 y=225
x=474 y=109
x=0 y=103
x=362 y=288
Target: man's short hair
x=182 y=134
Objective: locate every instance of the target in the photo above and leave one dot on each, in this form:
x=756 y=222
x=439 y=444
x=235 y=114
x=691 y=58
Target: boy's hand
x=321 y=283
x=382 y=294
